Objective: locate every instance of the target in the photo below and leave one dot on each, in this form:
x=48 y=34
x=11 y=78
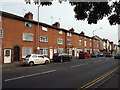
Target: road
x=71 y=74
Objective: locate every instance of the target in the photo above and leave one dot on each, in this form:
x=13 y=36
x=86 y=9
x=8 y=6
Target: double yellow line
x=99 y=79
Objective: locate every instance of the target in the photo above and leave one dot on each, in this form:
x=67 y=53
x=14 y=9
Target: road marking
x=99 y=78
x=79 y=65
x=29 y=75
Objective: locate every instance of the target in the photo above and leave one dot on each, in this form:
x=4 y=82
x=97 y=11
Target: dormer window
x=27 y=24
x=44 y=28
x=60 y=32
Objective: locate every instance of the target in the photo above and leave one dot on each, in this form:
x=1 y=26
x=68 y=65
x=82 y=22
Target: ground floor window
x=60 y=50
x=26 y=51
x=69 y=51
x=44 y=51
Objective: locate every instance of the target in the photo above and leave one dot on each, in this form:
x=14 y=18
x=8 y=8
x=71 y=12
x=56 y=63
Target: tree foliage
x=92 y=11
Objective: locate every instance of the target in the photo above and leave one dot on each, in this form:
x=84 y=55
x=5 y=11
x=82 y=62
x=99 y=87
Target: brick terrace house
x=19 y=36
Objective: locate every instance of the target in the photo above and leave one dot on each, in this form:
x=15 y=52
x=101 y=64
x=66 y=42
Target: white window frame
x=85 y=43
x=29 y=38
x=1 y=33
x=80 y=42
x=45 y=51
x=0 y=18
x=29 y=24
x=26 y=51
x=69 y=43
x=44 y=28
x=60 y=32
x=60 y=41
x=60 y=50
x=69 y=34
x=90 y=44
x=69 y=51
x=45 y=38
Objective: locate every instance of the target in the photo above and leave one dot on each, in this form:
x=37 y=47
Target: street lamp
x=93 y=37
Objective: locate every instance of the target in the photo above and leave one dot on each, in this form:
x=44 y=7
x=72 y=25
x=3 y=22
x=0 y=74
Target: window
x=27 y=37
x=69 y=34
x=69 y=51
x=44 y=28
x=60 y=41
x=44 y=51
x=26 y=51
x=27 y=24
x=85 y=43
x=60 y=32
x=97 y=45
x=90 y=45
x=80 y=42
x=0 y=18
x=1 y=33
x=43 y=39
x=60 y=50
x=80 y=36
x=69 y=42
x=7 y=53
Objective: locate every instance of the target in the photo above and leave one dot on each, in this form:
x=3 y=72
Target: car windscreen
x=28 y=56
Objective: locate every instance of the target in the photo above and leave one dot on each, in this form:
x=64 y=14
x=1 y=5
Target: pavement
x=112 y=82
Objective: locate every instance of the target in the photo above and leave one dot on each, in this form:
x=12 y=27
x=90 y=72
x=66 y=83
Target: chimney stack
x=72 y=30
x=82 y=33
x=29 y=15
x=56 y=24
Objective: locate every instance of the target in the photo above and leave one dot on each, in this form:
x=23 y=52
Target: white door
x=7 y=55
x=51 y=53
x=55 y=50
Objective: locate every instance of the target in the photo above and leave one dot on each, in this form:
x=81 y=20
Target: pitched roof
x=12 y=16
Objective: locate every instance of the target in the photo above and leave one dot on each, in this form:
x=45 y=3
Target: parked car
x=83 y=55
x=117 y=55
x=33 y=59
x=61 y=57
x=94 y=55
x=108 y=54
x=101 y=54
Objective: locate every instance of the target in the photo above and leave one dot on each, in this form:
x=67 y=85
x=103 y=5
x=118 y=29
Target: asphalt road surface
x=83 y=73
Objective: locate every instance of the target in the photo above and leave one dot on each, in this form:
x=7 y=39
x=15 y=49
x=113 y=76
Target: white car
x=32 y=59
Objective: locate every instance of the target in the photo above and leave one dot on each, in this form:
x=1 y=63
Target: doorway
x=16 y=53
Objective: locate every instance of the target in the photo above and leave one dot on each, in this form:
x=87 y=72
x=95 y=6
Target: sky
x=64 y=14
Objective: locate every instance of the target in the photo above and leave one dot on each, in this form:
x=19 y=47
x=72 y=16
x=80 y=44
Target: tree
x=92 y=11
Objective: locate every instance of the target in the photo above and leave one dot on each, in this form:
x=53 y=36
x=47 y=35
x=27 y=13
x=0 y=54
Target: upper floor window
x=1 y=33
x=0 y=18
x=80 y=42
x=80 y=36
x=44 y=28
x=60 y=32
x=85 y=43
x=27 y=24
x=90 y=44
x=60 y=41
x=27 y=37
x=43 y=39
x=69 y=42
x=69 y=34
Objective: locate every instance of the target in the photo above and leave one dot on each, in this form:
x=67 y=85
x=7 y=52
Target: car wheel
x=46 y=62
x=31 y=63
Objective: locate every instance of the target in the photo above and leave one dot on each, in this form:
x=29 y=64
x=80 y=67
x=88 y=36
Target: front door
x=51 y=53
x=16 y=53
x=7 y=55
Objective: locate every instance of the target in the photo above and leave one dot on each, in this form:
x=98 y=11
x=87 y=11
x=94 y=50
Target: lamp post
x=38 y=48
x=93 y=37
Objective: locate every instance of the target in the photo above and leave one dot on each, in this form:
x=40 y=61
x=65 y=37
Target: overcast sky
x=65 y=15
